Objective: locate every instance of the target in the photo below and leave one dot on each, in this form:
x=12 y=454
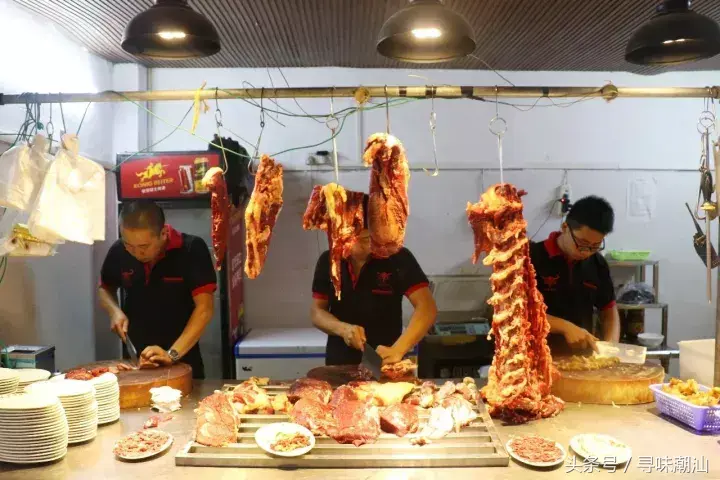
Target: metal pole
x=608 y=92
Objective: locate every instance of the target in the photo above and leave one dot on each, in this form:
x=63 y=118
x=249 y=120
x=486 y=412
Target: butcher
x=574 y=278
x=166 y=279
x=369 y=313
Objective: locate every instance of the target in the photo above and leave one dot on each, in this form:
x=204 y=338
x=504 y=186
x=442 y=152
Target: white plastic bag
x=71 y=203
x=22 y=171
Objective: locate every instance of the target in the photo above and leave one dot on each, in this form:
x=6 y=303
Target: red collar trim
x=551 y=245
x=175 y=239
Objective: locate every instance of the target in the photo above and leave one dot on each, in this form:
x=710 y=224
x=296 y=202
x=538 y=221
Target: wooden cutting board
x=622 y=384
x=135 y=385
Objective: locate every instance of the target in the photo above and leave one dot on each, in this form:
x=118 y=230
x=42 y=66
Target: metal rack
x=663 y=353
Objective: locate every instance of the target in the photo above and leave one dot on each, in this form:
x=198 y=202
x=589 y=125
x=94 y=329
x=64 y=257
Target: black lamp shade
x=439 y=34
x=171 y=29
x=675 y=35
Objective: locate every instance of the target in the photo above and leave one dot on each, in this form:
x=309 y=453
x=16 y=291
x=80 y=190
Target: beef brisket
x=311 y=388
x=314 y=415
x=399 y=419
x=357 y=423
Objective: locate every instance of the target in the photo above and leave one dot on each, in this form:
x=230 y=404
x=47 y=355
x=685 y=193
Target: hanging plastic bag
x=21 y=243
x=22 y=171
x=636 y=293
x=71 y=203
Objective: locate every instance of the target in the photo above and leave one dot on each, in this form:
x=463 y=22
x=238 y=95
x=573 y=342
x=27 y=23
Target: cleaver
x=372 y=361
x=626 y=353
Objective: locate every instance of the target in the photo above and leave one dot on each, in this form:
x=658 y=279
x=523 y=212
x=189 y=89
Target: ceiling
x=511 y=34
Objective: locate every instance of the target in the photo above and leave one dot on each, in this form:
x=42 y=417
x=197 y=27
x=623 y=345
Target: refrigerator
x=172 y=180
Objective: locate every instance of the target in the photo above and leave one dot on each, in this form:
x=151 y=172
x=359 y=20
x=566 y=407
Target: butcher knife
x=131 y=350
x=626 y=353
x=372 y=361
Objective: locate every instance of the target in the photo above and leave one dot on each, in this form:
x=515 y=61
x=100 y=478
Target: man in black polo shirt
x=167 y=279
x=370 y=309
x=575 y=279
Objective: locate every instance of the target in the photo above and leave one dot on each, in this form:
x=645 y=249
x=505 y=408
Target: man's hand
x=354 y=337
x=578 y=337
x=389 y=354
x=154 y=356
x=119 y=324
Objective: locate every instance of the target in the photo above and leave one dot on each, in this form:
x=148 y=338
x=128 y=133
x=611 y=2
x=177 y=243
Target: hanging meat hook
x=498 y=127
x=333 y=123
x=387 y=112
x=433 y=124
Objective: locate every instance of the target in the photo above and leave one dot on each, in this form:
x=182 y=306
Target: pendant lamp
x=675 y=34
x=170 y=29
x=425 y=31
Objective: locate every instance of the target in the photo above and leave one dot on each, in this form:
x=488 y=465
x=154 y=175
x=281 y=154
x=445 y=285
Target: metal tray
x=477 y=445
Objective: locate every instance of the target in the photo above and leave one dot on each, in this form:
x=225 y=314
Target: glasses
x=587 y=248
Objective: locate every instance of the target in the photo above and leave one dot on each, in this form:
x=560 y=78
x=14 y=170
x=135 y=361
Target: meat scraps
x=388 y=206
x=214 y=180
x=357 y=423
x=261 y=214
x=249 y=397
x=79 y=374
x=399 y=419
x=396 y=371
x=536 y=449
x=314 y=415
x=281 y=404
x=340 y=213
x=216 y=424
x=520 y=377
x=310 y=388
x=338 y=375
x=85 y=374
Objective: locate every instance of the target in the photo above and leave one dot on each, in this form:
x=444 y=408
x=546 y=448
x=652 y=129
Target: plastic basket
x=629 y=255
x=702 y=419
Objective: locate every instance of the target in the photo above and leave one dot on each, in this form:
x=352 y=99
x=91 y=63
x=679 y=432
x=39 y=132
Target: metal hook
x=498 y=127
x=433 y=125
x=387 y=112
x=332 y=123
x=50 y=129
x=262 y=129
x=218 y=112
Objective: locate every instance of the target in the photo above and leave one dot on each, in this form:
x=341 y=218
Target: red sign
x=165 y=175
x=234 y=271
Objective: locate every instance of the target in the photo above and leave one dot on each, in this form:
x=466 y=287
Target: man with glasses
x=574 y=278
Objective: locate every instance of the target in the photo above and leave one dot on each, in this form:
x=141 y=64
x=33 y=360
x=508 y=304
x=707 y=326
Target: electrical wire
x=3 y=268
x=532 y=237
x=83 y=119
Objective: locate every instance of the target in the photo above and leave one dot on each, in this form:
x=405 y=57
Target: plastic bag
x=636 y=293
x=22 y=171
x=20 y=243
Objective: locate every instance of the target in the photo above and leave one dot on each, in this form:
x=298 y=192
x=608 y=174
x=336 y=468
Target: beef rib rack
x=388 y=207
x=261 y=214
x=520 y=377
x=340 y=213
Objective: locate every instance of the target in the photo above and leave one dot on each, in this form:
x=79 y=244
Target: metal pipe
x=608 y=92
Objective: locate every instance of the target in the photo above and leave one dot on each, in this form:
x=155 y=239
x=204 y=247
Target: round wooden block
x=622 y=384
x=135 y=385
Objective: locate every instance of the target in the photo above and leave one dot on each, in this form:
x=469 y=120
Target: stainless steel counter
x=649 y=436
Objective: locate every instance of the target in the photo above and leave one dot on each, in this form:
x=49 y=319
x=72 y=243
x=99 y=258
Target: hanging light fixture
x=426 y=31
x=170 y=29
x=675 y=34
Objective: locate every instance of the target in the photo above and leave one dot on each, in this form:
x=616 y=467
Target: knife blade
x=626 y=353
x=372 y=361
x=131 y=350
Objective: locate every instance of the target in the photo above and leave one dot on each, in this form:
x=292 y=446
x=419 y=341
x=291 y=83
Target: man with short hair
x=167 y=280
x=575 y=279
x=369 y=313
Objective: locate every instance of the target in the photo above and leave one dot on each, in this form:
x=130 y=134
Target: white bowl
x=650 y=340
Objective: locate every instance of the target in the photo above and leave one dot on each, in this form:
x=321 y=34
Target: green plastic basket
x=629 y=255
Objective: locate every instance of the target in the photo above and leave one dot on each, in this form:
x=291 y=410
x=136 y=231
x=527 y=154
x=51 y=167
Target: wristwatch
x=174 y=355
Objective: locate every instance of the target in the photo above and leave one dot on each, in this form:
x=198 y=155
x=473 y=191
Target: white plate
x=67 y=389
x=104 y=379
x=27 y=401
x=520 y=459
x=598 y=446
x=8 y=374
x=265 y=437
x=30 y=375
x=43 y=459
x=164 y=447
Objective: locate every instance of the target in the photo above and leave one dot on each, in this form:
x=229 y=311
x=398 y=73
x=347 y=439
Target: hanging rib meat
x=262 y=213
x=340 y=213
x=214 y=180
x=388 y=208
x=519 y=381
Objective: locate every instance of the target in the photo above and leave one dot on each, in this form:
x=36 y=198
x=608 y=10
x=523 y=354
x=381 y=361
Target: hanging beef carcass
x=340 y=213
x=261 y=214
x=388 y=207
x=520 y=378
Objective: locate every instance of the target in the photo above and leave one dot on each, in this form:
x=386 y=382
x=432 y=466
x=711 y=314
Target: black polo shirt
x=372 y=299
x=158 y=299
x=572 y=290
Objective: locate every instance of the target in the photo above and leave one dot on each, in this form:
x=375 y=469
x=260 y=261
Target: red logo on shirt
x=383 y=277
x=551 y=282
x=127 y=277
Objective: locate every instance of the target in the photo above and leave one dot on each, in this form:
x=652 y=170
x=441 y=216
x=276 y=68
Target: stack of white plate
x=78 y=400
x=107 y=395
x=9 y=381
x=33 y=428
x=31 y=375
